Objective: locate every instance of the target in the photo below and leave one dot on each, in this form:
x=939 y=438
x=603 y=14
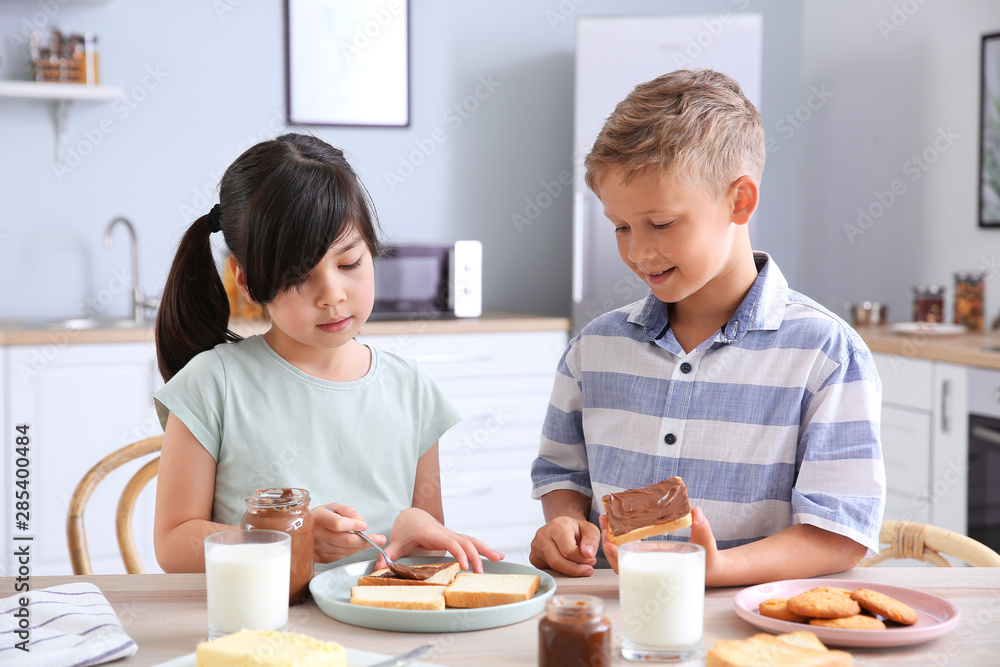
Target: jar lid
x=969 y=276
x=928 y=290
x=277 y=497
x=575 y=605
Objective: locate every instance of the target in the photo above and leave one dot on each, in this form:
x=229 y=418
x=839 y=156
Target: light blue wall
x=206 y=79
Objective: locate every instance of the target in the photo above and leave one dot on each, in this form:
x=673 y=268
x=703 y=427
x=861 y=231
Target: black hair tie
x=215 y=219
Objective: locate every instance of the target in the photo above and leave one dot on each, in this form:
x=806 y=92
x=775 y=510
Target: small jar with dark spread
x=286 y=510
x=574 y=632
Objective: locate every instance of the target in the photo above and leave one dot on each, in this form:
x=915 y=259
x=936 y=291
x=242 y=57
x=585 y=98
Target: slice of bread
x=399 y=597
x=650 y=531
x=489 y=590
x=796 y=649
x=665 y=506
x=384 y=577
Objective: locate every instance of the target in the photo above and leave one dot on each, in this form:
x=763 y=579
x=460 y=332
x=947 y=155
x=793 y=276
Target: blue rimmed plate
x=332 y=591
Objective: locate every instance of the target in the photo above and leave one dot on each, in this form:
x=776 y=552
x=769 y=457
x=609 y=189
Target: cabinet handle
x=451 y=358
x=467 y=491
x=987 y=434
x=945 y=418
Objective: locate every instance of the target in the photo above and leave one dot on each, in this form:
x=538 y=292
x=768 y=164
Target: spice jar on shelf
x=574 y=631
x=928 y=303
x=969 y=300
x=286 y=510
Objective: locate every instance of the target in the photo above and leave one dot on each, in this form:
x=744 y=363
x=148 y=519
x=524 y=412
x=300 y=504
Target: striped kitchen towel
x=63 y=626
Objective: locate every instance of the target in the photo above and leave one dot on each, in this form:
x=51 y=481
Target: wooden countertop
x=166 y=616
x=490 y=321
x=970 y=349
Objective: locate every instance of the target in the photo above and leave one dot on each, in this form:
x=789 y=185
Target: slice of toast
x=489 y=590
x=795 y=649
x=399 y=597
x=635 y=514
x=384 y=577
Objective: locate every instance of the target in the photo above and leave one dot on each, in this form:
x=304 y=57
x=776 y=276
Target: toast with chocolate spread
x=438 y=574
x=635 y=514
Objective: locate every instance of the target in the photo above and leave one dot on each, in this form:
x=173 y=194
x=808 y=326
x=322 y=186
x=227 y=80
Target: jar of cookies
x=574 y=631
x=928 y=303
x=286 y=510
x=969 y=300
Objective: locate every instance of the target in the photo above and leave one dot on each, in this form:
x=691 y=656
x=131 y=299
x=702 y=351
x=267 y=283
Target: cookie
x=856 y=622
x=778 y=608
x=817 y=603
x=833 y=589
x=884 y=606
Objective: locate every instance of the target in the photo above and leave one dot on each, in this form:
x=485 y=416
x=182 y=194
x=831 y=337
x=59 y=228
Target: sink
x=75 y=324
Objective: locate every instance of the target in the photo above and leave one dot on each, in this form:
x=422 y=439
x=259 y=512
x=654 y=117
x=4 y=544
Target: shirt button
x=670 y=438
x=685 y=367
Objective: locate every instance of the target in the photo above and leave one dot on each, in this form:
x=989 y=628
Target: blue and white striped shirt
x=771 y=422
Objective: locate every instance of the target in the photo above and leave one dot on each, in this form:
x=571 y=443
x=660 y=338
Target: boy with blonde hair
x=764 y=402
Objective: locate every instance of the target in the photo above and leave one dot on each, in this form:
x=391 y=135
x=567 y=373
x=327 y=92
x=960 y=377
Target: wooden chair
x=924 y=542
x=77 y=539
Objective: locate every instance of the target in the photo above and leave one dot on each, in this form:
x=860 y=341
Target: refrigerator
x=613 y=55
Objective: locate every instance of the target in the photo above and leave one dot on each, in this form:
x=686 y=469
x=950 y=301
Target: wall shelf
x=43 y=90
x=62 y=94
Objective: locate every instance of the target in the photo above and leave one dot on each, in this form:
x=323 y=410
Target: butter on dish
x=269 y=648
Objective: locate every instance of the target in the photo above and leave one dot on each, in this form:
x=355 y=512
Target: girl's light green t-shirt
x=268 y=424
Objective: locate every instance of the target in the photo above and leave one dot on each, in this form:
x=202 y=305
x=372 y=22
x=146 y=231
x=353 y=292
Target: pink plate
x=935 y=616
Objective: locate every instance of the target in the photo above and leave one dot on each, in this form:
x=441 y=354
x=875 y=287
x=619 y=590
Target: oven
x=984 y=457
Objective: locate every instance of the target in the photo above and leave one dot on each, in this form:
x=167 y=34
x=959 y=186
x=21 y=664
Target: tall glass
x=246 y=578
x=661 y=586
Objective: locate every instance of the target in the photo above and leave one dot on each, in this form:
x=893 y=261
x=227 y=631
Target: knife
x=405 y=658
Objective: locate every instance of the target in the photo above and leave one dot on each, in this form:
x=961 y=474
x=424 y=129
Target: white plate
x=355 y=658
x=332 y=592
x=928 y=328
x=935 y=615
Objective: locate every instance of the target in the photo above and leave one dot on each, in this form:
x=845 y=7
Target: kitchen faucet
x=138 y=300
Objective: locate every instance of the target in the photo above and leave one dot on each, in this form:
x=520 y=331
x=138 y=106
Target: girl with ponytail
x=304 y=405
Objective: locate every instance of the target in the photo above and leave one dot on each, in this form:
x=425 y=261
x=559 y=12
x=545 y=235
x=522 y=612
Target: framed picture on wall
x=989 y=133
x=348 y=63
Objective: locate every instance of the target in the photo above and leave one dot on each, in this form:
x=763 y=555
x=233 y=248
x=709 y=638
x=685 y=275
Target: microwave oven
x=433 y=280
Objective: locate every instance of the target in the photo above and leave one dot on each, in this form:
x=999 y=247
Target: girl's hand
x=333 y=542
x=416 y=529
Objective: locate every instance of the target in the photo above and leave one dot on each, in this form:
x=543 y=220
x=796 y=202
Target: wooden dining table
x=166 y=615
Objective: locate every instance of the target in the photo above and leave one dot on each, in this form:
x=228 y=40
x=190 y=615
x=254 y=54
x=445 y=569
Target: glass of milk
x=661 y=586
x=246 y=579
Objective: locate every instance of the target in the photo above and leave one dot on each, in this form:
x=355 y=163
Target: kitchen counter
x=491 y=321
x=969 y=349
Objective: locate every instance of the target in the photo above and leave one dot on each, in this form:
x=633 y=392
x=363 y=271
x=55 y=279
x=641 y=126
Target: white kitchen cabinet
x=500 y=382
x=81 y=402
x=925 y=440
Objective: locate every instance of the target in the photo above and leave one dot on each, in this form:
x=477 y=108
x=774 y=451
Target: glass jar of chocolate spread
x=573 y=632
x=286 y=510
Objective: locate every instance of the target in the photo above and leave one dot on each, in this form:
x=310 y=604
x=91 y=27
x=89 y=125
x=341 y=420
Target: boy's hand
x=701 y=533
x=610 y=548
x=333 y=541
x=566 y=544
x=416 y=529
